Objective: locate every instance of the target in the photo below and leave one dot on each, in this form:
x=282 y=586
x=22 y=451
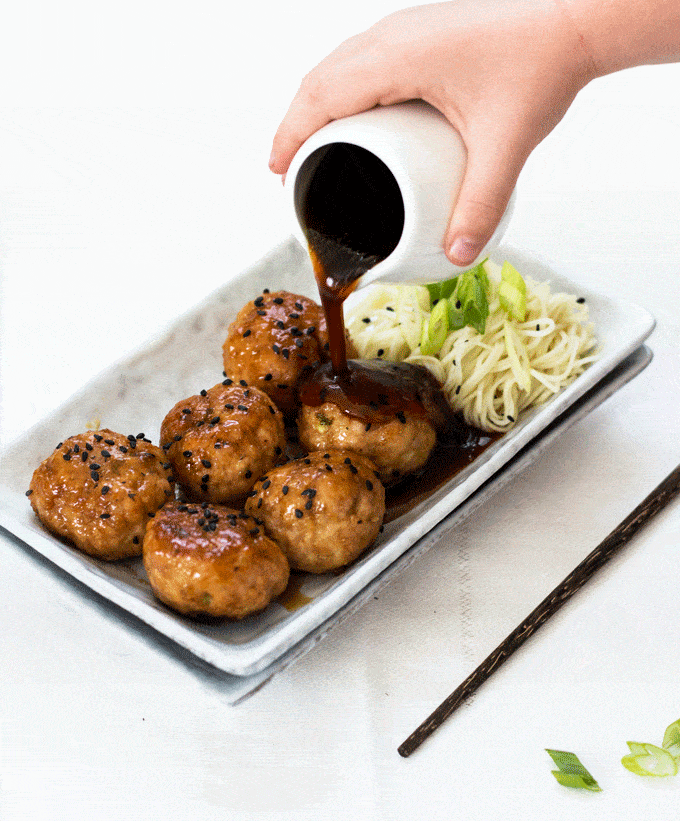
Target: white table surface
x=133 y=147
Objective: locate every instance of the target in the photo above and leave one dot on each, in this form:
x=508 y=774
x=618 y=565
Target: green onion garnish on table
x=648 y=759
x=571 y=772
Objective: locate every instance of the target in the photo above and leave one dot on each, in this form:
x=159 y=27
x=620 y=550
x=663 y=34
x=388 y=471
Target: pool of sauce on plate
x=353 y=215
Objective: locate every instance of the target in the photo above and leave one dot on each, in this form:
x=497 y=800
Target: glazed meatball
x=397 y=446
x=272 y=341
x=323 y=510
x=221 y=440
x=212 y=561
x=97 y=490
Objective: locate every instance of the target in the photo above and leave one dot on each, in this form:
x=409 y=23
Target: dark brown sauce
x=353 y=216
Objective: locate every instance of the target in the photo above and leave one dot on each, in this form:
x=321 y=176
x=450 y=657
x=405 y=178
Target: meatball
x=397 y=446
x=323 y=510
x=212 y=561
x=273 y=340
x=221 y=440
x=98 y=489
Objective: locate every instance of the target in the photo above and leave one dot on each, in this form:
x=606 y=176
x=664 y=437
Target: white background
x=134 y=140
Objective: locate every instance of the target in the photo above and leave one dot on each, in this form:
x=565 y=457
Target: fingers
x=351 y=79
x=490 y=176
x=302 y=120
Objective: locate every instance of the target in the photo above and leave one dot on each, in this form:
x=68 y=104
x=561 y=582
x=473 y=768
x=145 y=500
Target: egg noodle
x=491 y=377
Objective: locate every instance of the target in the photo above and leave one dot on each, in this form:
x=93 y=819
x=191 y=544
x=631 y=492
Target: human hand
x=503 y=74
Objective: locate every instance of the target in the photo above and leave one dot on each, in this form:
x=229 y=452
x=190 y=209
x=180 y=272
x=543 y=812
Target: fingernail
x=464 y=251
x=272 y=160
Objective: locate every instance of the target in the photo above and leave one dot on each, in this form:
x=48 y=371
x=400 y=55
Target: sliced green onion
x=648 y=759
x=442 y=290
x=671 y=739
x=571 y=772
x=435 y=331
x=471 y=293
x=512 y=292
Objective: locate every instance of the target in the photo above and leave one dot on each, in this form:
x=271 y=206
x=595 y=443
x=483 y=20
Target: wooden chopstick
x=620 y=536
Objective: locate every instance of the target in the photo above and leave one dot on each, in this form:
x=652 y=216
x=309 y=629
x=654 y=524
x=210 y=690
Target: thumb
x=490 y=176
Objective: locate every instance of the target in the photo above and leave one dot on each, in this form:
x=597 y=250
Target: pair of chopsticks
x=618 y=538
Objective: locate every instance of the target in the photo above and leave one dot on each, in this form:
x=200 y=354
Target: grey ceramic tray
x=135 y=394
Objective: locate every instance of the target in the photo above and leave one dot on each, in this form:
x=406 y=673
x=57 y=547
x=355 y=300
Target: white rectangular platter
x=135 y=394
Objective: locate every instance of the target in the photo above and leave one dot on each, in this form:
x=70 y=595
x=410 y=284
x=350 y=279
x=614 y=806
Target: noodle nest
x=491 y=377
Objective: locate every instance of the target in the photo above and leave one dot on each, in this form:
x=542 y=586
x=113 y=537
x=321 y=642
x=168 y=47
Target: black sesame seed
x=280 y=324
x=581 y=300
x=259 y=503
x=105 y=490
x=204 y=392
x=310 y=330
x=294 y=316
x=94 y=476
x=214 y=420
x=106 y=442
x=299 y=343
x=353 y=469
x=229 y=406
x=265 y=290
x=285 y=353
x=247 y=333
x=457 y=390
x=140 y=436
x=251 y=494
x=284 y=490
x=299 y=306
x=228 y=382
x=307 y=461
x=259 y=301
x=61 y=443
x=97 y=437
x=262 y=313
x=206 y=463
x=366 y=319
x=243 y=383
x=242 y=407
x=187 y=454
x=67 y=457
x=308 y=505
x=276 y=349
x=205 y=478
x=29 y=492
x=248 y=474
x=268 y=377
x=105 y=516
x=200 y=521
x=368 y=426
x=186 y=410
x=272 y=410
x=298 y=513
x=122 y=449
x=255 y=531
x=329 y=468
x=177 y=438
x=266 y=484
x=76 y=448
x=389 y=308
x=511 y=418
x=88 y=446
x=83 y=456
x=348 y=461
x=278 y=300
